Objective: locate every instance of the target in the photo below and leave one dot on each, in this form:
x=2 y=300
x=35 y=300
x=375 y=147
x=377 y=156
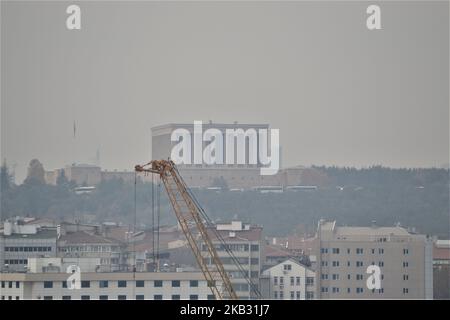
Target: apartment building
x=245 y=241
x=85 y=244
x=344 y=253
x=106 y=286
x=288 y=280
x=19 y=242
x=441 y=270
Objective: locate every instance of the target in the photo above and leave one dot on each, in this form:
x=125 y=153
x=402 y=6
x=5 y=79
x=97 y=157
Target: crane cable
x=134 y=232
x=153 y=222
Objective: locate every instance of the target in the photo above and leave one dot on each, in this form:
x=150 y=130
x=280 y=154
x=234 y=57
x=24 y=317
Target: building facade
x=19 y=242
x=245 y=241
x=288 y=280
x=106 y=286
x=344 y=254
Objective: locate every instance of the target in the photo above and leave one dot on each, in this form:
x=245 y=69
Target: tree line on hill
x=416 y=198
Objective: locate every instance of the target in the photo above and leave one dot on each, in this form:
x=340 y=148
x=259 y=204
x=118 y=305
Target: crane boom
x=189 y=217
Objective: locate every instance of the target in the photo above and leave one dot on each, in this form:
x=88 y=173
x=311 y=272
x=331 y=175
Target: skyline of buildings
x=330 y=265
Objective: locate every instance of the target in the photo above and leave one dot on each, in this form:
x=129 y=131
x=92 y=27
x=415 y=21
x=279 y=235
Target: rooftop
x=83 y=237
x=41 y=234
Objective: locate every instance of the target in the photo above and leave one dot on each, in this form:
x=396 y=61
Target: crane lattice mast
x=189 y=217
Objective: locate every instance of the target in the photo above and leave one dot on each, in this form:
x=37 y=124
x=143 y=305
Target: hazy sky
x=339 y=93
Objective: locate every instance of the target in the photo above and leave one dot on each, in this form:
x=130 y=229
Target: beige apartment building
x=245 y=242
x=344 y=253
x=106 y=286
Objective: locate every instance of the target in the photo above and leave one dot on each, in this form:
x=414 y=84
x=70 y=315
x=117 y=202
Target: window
x=405 y=264
x=405 y=277
x=381 y=251
x=3 y=284
x=335 y=250
x=158 y=284
x=193 y=297
x=373 y=251
x=211 y=297
x=324 y=276
x=297 y=281
x=405 y=290
x=348 y=290
x=85 y=297
x=254 y=247
x=45 y=298
x=103 y=284
x=359 y=290
x=275 y=281
x=17 y=284
x=349 y=276
x=48 y=284
x=292 y=295
x=275 y=294
x=335 y=277
x=359 y=263
x=10 y=284
x=348 y=250
x=381 y=263
x=405 y=251
x=255 y=261
x=309 y=281
x=139 y=297
x=139 y=283
x=175 y=283
x=348 y=263
x=324 y=250
x=359 y=251
x=121 y=297
x=66 y=297
x=122 y=284
x=193 y=283
x=103 y=297
x=281 y=280
x=297 y=294
x=335 y=263
x=309 y=295
x=335 y=290
x=324 y=263
x=292 y=281
x=85 y=284
x=175 y=297
x=359 y=277
x=381 y=290
x=158 y=297
x=324 y=289
x=281 y=295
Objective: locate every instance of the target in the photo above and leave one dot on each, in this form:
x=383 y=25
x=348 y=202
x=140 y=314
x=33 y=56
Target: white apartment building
x=106 y=286
x=84 y=244
x=345 y=253
x=19 y=242
x=288 y=280
x=245 y=242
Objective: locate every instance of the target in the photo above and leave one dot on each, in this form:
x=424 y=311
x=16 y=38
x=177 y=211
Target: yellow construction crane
x=190 y=216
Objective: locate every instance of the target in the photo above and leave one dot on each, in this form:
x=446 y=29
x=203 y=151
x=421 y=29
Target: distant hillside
x=414 y=197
